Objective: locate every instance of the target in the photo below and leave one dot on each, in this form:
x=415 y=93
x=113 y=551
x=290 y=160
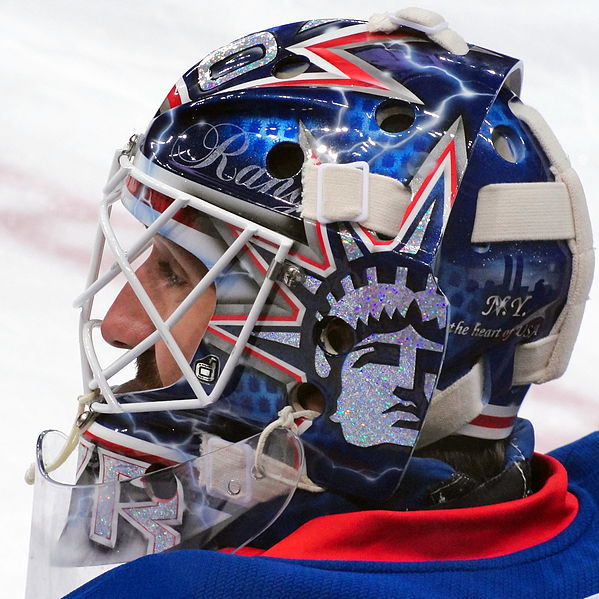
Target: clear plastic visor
x=134 y=509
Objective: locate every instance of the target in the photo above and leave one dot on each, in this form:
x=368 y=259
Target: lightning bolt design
x=434 y=112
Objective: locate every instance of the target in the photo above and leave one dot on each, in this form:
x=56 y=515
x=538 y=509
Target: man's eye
x=169 y=275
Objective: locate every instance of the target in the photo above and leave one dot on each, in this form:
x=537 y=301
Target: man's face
x=168 y=275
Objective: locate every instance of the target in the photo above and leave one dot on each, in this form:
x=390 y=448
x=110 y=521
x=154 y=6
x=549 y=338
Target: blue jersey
x=543 y=546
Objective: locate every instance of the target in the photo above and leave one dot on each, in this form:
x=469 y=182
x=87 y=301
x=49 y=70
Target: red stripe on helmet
x=160 y=202
x=494 y=421
x=173 y=98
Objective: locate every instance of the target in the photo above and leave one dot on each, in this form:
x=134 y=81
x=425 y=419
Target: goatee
x=147 y=376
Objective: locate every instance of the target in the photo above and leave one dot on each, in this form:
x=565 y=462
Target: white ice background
x=78 y=78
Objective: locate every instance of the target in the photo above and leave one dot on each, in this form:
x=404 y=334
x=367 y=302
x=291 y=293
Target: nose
x=126 y=323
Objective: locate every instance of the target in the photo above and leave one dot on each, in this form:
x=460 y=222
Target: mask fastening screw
x=234 y=488
x=84 y=418
x=292 y=275
x=131 y=144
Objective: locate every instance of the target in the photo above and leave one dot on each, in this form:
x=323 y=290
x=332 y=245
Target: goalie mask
x=358 y=229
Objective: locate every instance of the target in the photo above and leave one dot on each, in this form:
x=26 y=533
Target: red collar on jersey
x=453 y=534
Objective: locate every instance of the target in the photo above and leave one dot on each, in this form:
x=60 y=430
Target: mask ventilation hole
x=394 y=116
x=236 y=61
x=290 y=66
x=162 y=483
x=481 y=248
x=507 y=144
x=285 y=160
x=335 y=336
x=307 y=396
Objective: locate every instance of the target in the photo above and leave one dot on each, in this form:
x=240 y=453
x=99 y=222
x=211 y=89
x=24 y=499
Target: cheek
x=188 y=333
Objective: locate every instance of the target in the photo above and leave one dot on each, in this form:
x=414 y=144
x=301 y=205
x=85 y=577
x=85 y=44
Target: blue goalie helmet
x=355 y=227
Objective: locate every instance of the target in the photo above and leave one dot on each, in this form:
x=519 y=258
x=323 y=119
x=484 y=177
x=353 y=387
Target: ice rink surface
x=78 y=78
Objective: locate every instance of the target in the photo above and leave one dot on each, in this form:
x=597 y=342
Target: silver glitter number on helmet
x=264 y=41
